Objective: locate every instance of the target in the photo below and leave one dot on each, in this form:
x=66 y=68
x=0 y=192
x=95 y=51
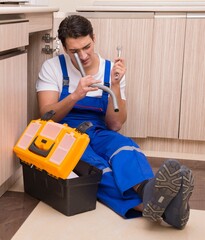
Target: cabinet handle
x=195 y=15
x=169 y=15
x=10 y=21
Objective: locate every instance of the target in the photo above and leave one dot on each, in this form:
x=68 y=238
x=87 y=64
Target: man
x=128 y=185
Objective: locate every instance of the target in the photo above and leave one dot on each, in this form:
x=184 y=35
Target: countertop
x=16 y=9
x=130 y=6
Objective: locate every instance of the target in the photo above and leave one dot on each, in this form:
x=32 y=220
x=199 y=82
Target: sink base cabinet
x=165 y=85
x=13 y=105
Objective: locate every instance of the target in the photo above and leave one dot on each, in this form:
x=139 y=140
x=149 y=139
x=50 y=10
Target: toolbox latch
x=48 y=115
x=84 y=126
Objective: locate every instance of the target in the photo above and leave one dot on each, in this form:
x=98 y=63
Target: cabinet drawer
x=39 y=21
x=13 y=34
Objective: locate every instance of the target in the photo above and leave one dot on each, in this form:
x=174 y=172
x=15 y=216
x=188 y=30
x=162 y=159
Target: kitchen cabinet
x=13 y=92
x=166 y=75
x=9 y=30
x=192 y=120
x=13 y=105
x=23 y=49
x=176 y=105
x=164 y=51
x=132 y=32
x=176 y=96
x=153 y=46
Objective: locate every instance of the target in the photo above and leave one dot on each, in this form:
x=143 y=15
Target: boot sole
x=187 y=188
x=167 y=184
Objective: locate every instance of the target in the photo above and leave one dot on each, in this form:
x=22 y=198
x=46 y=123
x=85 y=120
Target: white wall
x=70 y=6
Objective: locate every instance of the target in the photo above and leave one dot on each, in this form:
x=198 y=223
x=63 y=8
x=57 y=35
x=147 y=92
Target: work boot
x=177 y=212
x=160 y=190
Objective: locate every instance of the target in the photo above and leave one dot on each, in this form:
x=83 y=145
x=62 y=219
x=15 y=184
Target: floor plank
x=15 y=207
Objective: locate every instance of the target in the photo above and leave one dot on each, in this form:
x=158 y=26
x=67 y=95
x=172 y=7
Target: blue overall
x=122 y=162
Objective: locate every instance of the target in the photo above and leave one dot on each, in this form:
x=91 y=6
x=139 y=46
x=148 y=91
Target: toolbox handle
x=33 y=148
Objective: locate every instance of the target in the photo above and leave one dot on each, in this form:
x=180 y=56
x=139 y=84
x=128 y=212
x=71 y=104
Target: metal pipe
x=119 y=51
x=79 y=64
x=106 y=89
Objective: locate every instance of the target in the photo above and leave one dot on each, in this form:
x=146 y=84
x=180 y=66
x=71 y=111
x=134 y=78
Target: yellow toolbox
x=50 y=146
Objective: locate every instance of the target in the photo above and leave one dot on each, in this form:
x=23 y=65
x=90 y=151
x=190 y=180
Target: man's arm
x=115 y=120
x=49 y=100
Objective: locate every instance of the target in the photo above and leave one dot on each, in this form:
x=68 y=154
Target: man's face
x=84 y=46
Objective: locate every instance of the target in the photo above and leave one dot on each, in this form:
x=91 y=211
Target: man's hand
x=85 y=86
x=118 y=70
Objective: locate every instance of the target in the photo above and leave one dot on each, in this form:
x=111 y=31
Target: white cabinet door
x=134 y=33
x=192 y=122
x=13 y=107
x=166 y=76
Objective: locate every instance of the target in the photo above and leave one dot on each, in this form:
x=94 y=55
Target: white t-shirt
x=50 y=77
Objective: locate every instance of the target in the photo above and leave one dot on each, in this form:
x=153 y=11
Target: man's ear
x=94 y=38
x=65 y=50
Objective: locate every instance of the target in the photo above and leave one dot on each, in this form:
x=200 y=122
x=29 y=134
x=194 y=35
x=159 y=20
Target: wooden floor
x=15 y=207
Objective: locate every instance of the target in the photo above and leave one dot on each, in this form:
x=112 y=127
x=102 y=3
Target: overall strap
x=107 y=75
x=64 y=69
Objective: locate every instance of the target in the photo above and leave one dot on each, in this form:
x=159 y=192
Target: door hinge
x=48 y=50
x=47 y=38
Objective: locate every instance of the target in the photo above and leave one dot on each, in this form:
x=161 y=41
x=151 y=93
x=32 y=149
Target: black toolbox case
x=68 y=196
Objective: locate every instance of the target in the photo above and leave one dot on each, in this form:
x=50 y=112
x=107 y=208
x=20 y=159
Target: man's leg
x=177 y=213
x=161 y=197
x=160 y=190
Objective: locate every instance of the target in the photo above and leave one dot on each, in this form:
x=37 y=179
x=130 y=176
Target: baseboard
x=9 y=182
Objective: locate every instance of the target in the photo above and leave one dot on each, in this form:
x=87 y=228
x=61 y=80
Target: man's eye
x=86 y=47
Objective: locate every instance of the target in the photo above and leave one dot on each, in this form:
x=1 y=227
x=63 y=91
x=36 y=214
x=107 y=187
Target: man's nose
x=82 y=54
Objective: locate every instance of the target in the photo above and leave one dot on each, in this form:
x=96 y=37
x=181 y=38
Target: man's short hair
x=74 y=26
